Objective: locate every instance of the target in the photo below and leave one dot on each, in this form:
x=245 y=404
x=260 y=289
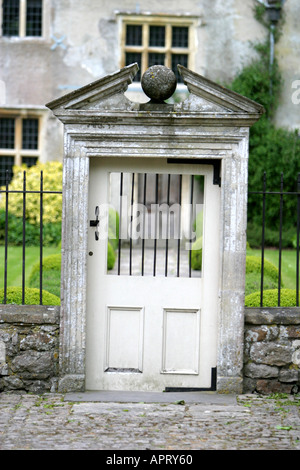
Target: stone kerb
x=29 y=345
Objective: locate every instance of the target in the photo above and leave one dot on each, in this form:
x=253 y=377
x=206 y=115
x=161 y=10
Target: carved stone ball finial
x=159 y=83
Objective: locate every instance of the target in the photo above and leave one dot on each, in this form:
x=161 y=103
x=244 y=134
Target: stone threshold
x=151 y=397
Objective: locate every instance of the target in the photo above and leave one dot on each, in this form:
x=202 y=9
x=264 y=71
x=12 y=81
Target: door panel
x=156 y=329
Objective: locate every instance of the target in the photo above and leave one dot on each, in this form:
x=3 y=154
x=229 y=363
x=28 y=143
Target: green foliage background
x=272 y=149
x=52 y=205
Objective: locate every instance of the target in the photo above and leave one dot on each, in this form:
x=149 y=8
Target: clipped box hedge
x=270 y=298
x=52 y=271
x=32 y=296
x=51 y=274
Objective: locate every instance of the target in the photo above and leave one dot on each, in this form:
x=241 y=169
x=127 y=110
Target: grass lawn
x=14 y=263
x=288 y=264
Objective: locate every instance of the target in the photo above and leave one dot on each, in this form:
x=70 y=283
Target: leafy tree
x=52 y=181
x=52 y=205
x=272 y=149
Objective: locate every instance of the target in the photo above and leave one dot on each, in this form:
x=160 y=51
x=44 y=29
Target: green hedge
x=253 y=283
x=198 y=225
x=253 y=275
x=32 y=296
x=51 y=274
x=52 y=202
x=51 y=231
x=270 y=298
x=52 y=271
x=111 y=257
x=196 y=257
x=113 y=228
x=271 y=236
x=253 y=265
x=272 y=149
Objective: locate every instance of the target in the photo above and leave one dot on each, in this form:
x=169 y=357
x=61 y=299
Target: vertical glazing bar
x=179 y=227
x=280 y=237
x=23 y=238
x=297 y=245
x=191 y=225
x=120 y=224
x=6 y=239
x=156 y=225
x=263 y=238
x=144 y=221
x=41 y=238
x=131 y=219
x=168 y=225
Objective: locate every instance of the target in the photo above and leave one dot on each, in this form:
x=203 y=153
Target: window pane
x=180 y=36
x=181 y=59
x=158 y=217
x=7 y=133
x=30 y=132
x=156 y=59
x=131 y=58
x=29 y=161
x=34 y=18
x=133 y=35
x=10 y=24
x=6 y=165
x=157 y=36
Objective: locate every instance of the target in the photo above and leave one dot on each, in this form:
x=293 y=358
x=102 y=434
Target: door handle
x=95 y=223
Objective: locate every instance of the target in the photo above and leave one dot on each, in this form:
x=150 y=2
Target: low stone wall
x=29 y=346
x=272 y=350
x=29 y=349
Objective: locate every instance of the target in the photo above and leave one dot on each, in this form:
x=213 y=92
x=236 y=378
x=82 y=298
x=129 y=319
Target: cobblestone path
x=48 y=422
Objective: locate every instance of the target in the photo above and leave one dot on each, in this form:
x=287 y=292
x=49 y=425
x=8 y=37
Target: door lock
x=95 y=223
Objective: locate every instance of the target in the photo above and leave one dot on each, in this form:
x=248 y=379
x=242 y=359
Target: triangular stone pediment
x=205 y=96
x=94 y=95
x=216 y=97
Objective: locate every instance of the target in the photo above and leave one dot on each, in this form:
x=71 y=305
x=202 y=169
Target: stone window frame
x=22 y=22
x=18 y=153
x=192 y=22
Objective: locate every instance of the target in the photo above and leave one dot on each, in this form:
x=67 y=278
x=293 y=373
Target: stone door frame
x=100 y=121
x=233 y=154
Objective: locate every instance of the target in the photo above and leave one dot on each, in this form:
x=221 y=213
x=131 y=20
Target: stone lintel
x=153 y=117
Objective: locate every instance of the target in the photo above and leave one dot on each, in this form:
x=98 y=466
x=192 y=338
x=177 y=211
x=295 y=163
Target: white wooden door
x=154 y=330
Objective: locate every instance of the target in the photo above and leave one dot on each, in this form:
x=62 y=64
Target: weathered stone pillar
x=232 y=290
x=73 y=281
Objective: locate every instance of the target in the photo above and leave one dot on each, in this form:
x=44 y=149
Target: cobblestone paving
x=48 y=422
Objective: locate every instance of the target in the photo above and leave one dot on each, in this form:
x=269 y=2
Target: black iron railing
x=264 y=198
x=280 y=197
x=5 y=192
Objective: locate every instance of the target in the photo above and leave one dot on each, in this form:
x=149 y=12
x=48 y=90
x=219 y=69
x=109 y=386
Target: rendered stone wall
x=29 y=347
x=272 y=350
